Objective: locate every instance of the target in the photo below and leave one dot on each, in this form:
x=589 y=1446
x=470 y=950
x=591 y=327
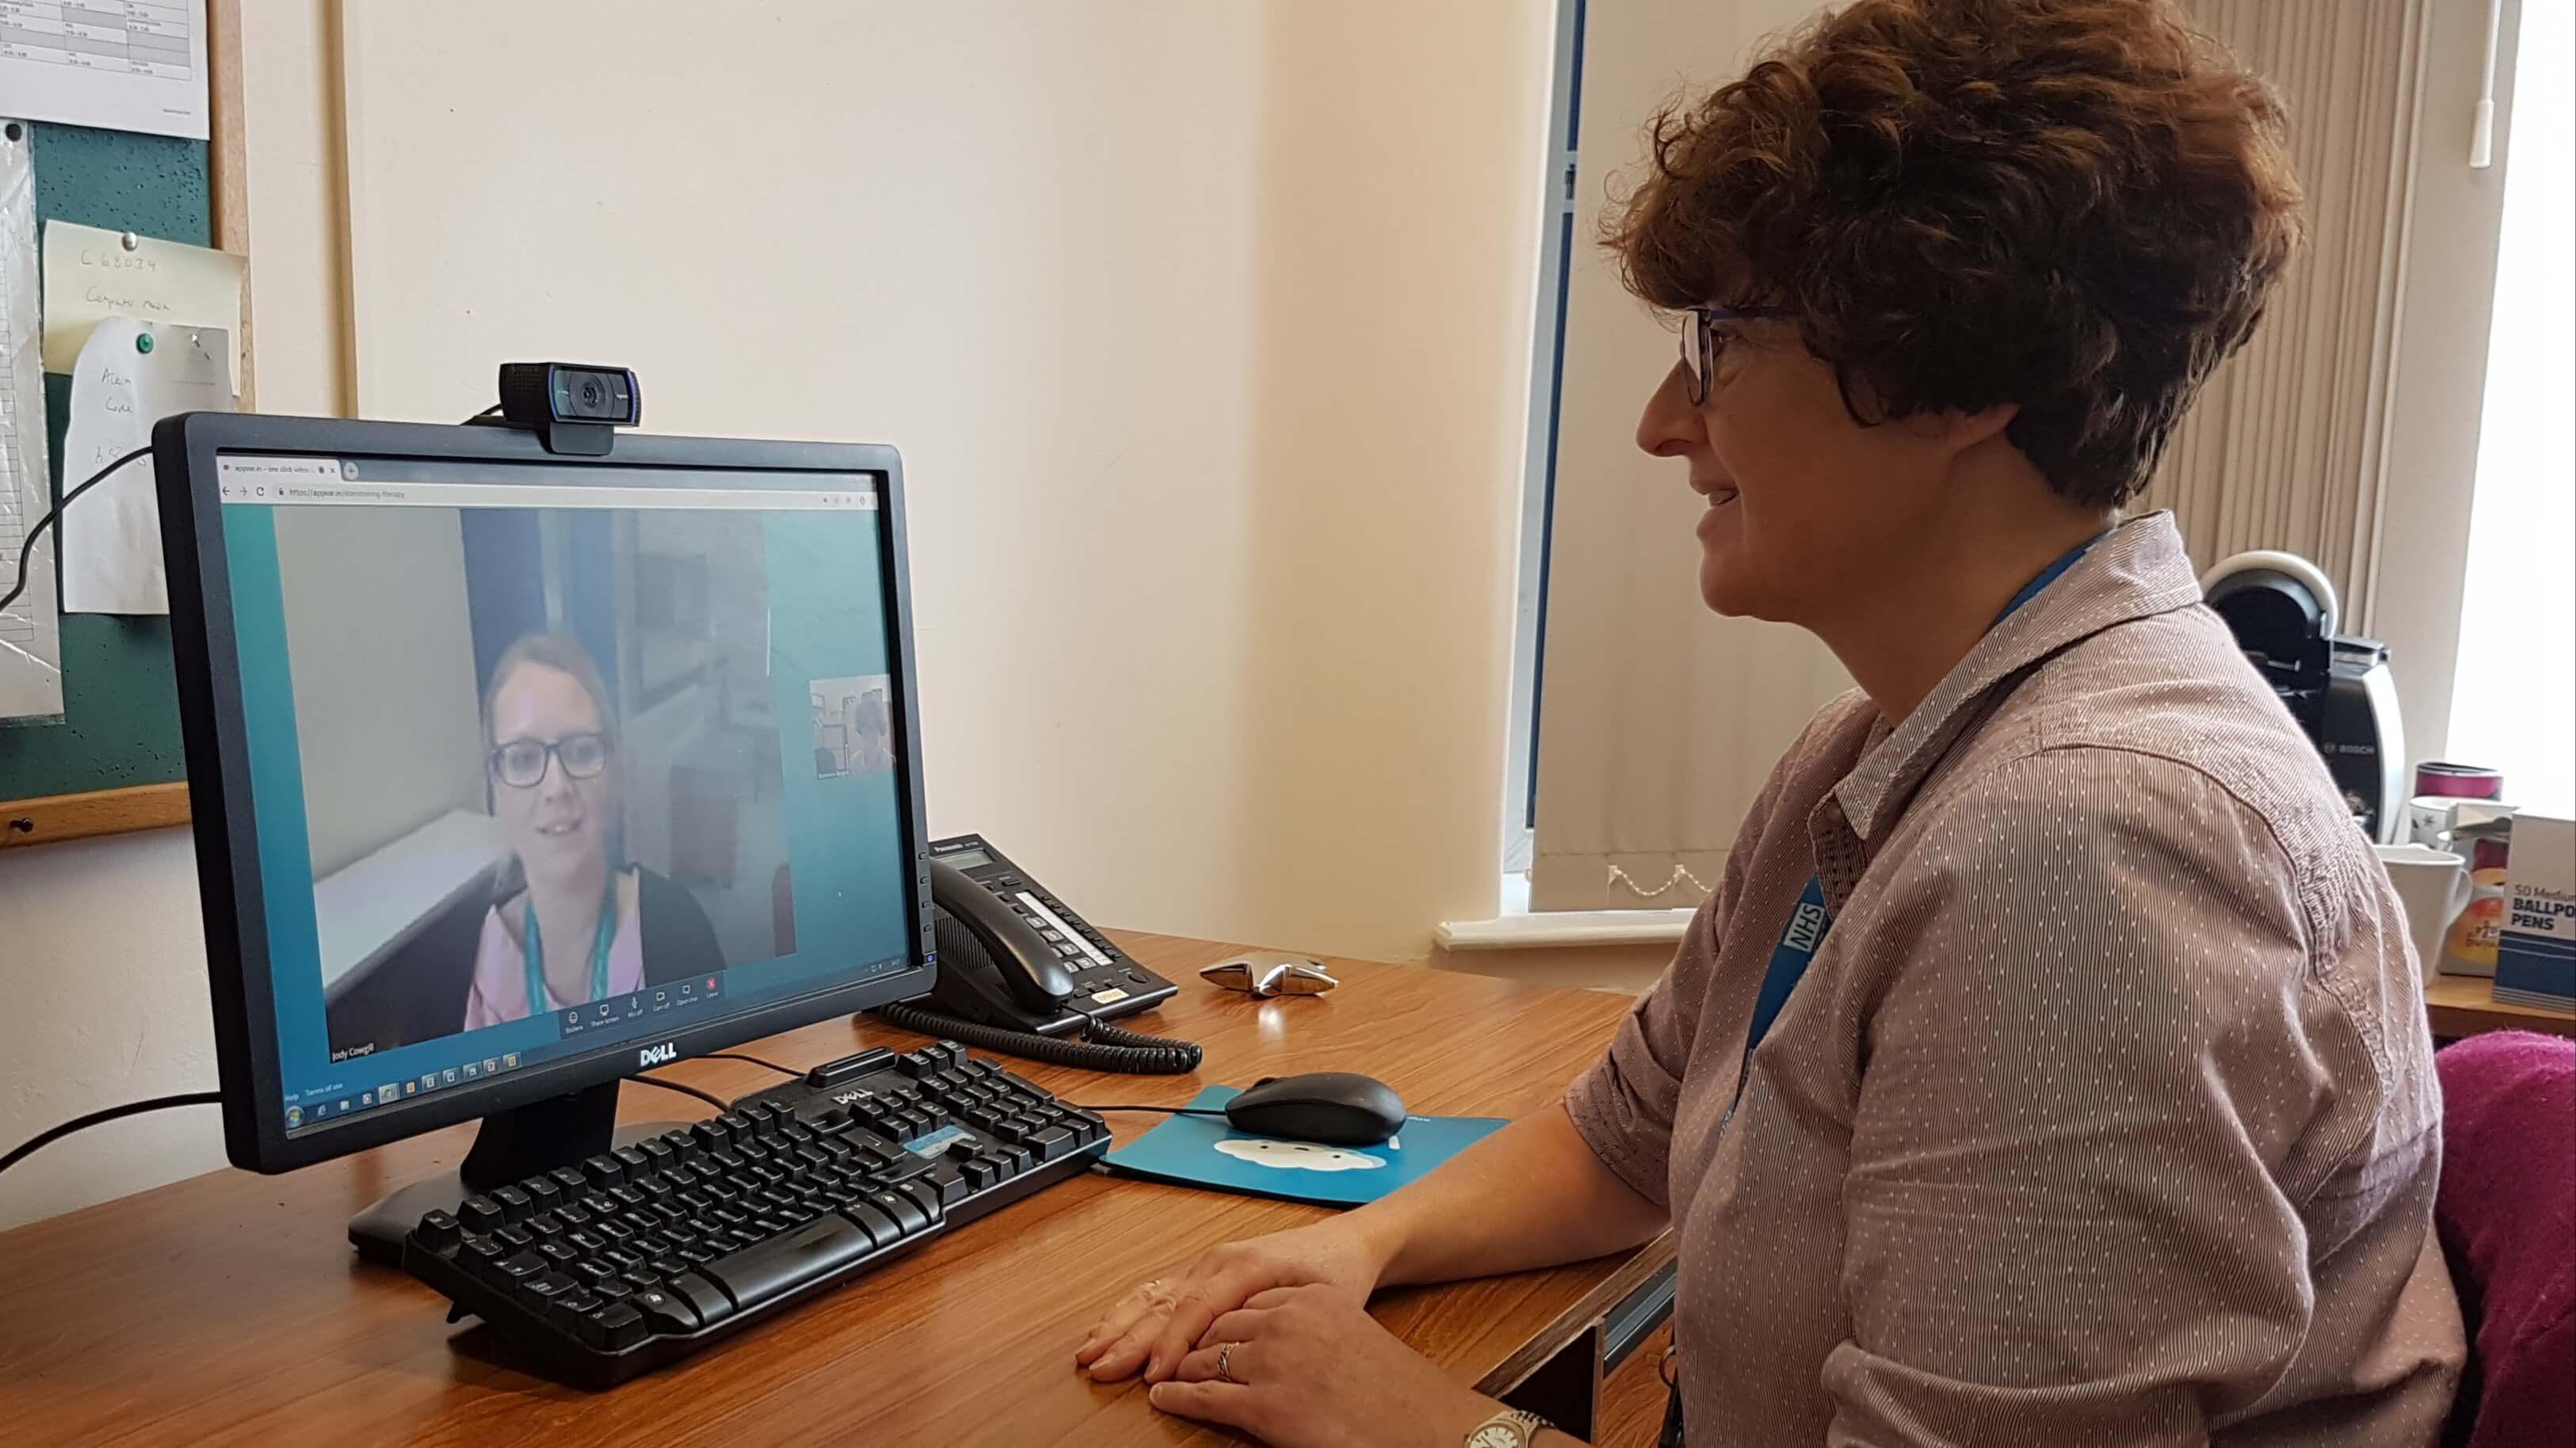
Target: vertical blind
x=1659 y=722
x=2288 y=447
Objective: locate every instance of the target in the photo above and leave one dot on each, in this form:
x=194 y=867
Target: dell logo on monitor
x=660 y=1055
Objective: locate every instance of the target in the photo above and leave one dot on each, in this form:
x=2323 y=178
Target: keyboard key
x=669 y=1267
x=559 y=1253
x=587 y=1241
x=571 y=1180
x=437 y=1230
x=543 y=1288
x=664 y=1312
x=640 y=1279
x=757 y=1274
x=658 y=1152
x=569 y=1308
x=543 y=1193
x=525 y=1264
x=516 y=1238
x=925 y=1196
x=885 y=1230
x=906 y=1212
x=514 y=1203
x=479 y=1213
x=613 y=1328
x=635 y=1162
x=1051 y=1143
x=591 y=1273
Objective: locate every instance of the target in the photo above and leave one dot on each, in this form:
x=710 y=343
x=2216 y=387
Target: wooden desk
x=2464 y=1005
x=230 y=1308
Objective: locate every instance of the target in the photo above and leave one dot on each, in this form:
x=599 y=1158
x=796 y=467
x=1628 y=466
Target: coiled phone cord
x=1108 y=1049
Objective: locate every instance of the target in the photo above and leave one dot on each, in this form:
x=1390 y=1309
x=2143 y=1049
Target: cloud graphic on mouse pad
x=1299 y=1156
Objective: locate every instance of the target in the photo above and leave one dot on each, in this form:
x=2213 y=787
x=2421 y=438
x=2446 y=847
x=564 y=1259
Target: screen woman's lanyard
x=533 y=950
x=1808 y=922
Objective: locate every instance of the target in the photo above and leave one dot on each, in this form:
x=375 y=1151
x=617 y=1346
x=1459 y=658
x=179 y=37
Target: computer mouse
x=1335 y=1108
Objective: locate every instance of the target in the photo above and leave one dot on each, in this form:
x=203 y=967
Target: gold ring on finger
x=1225 y=1364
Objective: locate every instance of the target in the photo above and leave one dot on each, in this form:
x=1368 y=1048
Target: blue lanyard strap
x=533 y=951
x=1809 y=921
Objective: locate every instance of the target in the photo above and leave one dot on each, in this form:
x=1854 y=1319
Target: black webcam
x=570 y=407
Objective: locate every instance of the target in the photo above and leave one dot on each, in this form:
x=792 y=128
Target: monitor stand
x=512 y=1145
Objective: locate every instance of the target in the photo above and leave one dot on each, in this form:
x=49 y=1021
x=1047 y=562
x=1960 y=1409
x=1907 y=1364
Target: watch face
x=1498 y=1435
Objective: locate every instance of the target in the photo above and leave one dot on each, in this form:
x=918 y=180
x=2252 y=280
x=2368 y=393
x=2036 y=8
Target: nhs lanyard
x=1809 y=921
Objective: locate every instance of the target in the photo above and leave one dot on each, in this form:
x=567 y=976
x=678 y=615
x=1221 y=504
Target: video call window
x=540 y=757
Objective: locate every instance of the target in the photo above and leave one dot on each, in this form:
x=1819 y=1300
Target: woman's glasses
x=521 y=763
x=1701 y=342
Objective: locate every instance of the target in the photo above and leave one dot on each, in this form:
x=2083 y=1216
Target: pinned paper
x=91 y=275
x=131 y=375
x=128 y=67
x=31 y=653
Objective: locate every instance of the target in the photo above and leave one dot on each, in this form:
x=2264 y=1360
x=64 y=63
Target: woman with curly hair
x=2049 y=1067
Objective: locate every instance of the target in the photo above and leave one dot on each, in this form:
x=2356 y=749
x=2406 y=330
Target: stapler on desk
x=1266 y=973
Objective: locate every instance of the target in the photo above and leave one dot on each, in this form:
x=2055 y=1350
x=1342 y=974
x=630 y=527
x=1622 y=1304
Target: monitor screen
x=547 y=757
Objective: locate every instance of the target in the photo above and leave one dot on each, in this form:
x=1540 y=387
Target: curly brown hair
x=2076 y=206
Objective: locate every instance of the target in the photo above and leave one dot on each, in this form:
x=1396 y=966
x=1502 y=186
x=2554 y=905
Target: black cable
x=1166 y=1110
x=44 y=1138
x=754 y=1060
x=53 y=520
x=1111 y=1049
x=719 y=1103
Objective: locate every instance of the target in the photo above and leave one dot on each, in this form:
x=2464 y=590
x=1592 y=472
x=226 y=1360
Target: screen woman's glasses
x=1701 y=343
x=521 y=763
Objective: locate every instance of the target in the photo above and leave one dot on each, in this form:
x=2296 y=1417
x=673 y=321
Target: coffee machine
x=2284 y=613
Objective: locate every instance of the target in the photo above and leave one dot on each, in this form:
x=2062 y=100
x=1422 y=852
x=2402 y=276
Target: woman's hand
x=1307 y=1367
x=1155 y=1325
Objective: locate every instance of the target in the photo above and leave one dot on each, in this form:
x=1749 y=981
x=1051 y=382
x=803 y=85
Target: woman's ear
x=1965 y=430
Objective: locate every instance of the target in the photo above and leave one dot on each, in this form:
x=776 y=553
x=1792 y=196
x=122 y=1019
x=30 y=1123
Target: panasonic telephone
x=1020 y=972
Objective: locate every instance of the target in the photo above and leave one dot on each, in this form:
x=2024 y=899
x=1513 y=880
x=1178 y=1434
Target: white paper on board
x=131 y=65
x=111 y=535
x=92 y=275
x=31 y=653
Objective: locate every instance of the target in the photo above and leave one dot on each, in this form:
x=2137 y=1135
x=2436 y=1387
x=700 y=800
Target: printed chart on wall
x=31 y=677
x=121 y=65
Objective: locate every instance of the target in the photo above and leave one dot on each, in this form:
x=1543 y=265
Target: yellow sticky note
x=91 y=275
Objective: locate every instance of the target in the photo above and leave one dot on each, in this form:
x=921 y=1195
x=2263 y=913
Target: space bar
x=780 y=1265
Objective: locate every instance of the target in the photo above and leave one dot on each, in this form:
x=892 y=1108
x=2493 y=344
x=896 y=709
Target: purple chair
x=2507 y=1217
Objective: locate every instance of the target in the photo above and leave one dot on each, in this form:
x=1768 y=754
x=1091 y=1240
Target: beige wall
x=106 y=961
x=1203 y=332
x=1203 y=329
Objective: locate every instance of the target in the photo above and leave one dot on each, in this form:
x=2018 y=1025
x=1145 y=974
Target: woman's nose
x=1670 y=427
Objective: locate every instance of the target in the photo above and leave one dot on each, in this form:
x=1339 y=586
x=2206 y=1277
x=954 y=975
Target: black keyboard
x=644 y=1254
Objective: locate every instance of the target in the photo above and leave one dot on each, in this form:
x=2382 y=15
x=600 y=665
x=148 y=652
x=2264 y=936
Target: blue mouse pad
x=1206 y=1151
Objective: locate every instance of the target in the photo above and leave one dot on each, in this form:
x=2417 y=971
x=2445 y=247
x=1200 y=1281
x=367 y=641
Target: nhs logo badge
x=661 y=1055
x=1806 y=927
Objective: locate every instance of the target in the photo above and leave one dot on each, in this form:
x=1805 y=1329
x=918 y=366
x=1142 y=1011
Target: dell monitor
x=510 y=777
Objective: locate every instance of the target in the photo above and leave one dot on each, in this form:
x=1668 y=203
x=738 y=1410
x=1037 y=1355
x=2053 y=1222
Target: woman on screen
x=568 y=924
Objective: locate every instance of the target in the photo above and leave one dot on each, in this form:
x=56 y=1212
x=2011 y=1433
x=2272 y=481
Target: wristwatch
x=1510 y=1428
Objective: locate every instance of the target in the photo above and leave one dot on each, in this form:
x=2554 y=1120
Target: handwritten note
x=129 y=376
x=31 y=654
x=91 y=275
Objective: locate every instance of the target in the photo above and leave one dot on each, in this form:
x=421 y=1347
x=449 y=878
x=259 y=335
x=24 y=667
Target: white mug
x=2434 y=887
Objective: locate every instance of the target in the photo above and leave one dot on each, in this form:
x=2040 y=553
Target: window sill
x=1556 y=930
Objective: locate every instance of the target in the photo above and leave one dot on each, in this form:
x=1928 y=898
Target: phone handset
x=1003 y=987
